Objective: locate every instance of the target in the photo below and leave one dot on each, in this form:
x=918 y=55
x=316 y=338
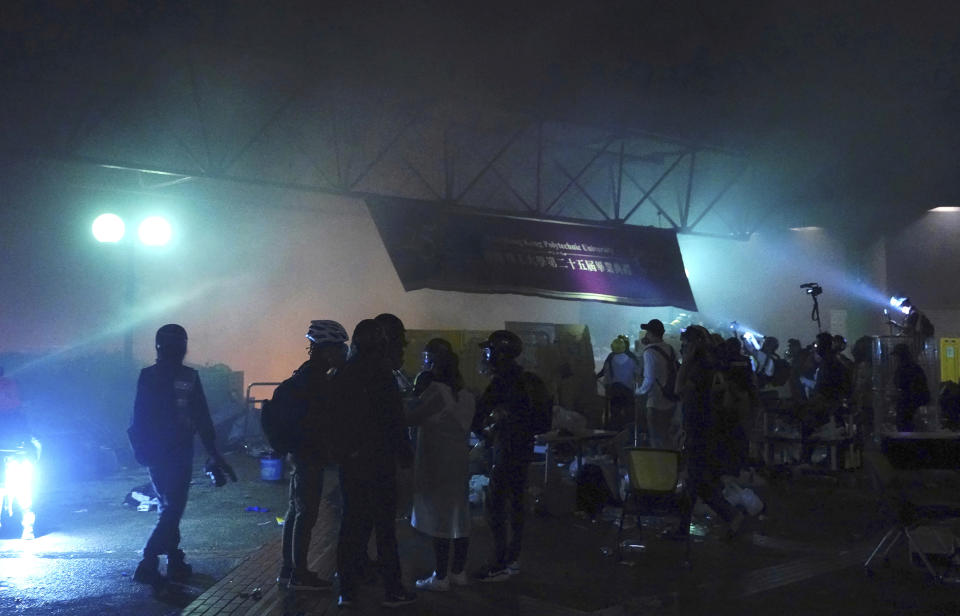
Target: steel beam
x=653 y=188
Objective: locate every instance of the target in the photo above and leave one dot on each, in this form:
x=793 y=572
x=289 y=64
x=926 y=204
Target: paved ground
x=88 y=543
x=803 y=557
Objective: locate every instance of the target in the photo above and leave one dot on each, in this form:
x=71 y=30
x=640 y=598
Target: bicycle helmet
x=620 y=344
x=326 y=332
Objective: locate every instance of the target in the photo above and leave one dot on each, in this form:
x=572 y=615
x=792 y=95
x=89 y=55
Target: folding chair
x=911 y=506
x=654 y=475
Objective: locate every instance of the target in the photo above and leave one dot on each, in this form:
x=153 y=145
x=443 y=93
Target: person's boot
x=177 y=569
x=148 y=571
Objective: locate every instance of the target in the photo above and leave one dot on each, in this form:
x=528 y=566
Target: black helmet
x=824 y=344
x=438 y=346
x=392 y=327
x=171 y=342
x=503 y=343
x=368 y=337
x=171 y=332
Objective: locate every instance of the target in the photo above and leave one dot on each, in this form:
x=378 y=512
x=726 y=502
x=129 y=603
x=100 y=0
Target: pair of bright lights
x=153 y=231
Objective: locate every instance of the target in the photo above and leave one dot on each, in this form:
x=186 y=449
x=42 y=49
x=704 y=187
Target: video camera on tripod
x=812 y=288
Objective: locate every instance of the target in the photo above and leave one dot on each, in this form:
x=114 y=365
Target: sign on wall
x=434 y=247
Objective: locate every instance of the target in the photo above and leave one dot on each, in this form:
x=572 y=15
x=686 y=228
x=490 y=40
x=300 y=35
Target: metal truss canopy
x=184 y=123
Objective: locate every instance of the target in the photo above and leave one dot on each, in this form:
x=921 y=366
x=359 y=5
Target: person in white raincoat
x=441 y=508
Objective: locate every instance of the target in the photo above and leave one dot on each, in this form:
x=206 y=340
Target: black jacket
x=514 y=431
x=316 y=386
x=371 y=427
x=169 y=409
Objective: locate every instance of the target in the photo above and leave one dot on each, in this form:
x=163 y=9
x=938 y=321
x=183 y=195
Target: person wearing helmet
x=620 y=373
x=372 y=431
x=840 y=345
x=313 y=382
x=169 y=408
x=504 y=417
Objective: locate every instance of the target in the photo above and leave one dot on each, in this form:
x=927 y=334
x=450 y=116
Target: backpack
x=673 y=366
x=781 y=372
x=541 y=402
x=282 y=414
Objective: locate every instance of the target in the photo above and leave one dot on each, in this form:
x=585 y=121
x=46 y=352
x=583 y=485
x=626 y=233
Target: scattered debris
x=258 y=509
x=256 y=594
x=142 y=498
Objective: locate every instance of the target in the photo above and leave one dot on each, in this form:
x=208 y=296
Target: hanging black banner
x=436 y=248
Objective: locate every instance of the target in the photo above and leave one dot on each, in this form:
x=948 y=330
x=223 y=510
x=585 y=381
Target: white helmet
x=327 y=332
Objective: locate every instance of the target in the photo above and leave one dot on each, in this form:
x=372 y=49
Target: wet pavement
x=88 y=543
x=804 y=555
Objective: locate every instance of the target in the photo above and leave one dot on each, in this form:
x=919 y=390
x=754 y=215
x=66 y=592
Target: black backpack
x=673 y=366
x=541 y=402
x=781 y=372
x=282 y=415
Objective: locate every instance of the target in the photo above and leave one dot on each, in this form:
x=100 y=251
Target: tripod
x=815 y=313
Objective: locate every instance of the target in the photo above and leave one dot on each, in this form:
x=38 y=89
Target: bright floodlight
x=154 y=231
x=108 y=228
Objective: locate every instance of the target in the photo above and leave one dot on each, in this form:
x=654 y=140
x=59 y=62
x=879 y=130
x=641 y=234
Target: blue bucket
x=271 y=469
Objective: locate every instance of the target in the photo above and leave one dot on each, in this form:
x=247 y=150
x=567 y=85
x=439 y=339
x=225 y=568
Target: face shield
x=486 y=360
x=426 y=361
